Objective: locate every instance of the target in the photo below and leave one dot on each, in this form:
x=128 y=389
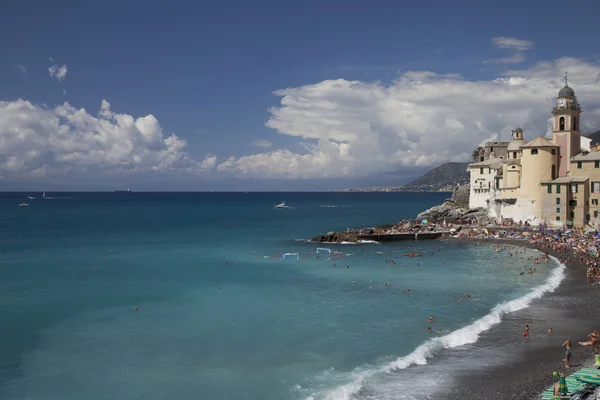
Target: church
x=553 y=181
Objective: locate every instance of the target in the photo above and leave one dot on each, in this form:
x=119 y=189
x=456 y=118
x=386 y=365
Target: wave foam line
x=470 y=333
x=460 y=337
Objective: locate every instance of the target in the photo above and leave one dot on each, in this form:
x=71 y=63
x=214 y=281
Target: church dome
x=515 y=144
x=566 y=92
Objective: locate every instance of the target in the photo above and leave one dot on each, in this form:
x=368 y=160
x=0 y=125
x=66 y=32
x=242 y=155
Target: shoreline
x=573 y=307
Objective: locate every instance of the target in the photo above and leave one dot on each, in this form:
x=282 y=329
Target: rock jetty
x=441 y=220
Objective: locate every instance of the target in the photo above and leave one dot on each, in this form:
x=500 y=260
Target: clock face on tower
x=561 y=102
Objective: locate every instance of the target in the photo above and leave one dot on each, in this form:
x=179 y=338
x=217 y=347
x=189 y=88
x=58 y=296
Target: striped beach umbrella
x=562 y=385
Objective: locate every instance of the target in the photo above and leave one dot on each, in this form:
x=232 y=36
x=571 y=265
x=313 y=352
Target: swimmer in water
x=354 y=283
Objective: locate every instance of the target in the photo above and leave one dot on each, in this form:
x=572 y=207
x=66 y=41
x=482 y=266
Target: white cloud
x=56 y=72
x=516 y=58
x=353 y=128
x=21 y=68
x=209 y=163
x=37 y=141
x=503 y=42
x=262 y=143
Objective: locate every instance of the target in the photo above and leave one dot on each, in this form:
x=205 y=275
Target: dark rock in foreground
x=336 y=237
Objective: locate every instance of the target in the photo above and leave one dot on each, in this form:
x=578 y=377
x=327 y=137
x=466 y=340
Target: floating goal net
x=290 y=256
x=323 y=250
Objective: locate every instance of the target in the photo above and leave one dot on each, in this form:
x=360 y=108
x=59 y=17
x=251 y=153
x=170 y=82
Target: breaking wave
x=460 y=337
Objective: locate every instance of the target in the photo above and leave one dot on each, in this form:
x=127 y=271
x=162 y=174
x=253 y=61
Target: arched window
x=561 y=124
x=553 y=171
x=514 y=154
x=575 y=123
x=534 y=152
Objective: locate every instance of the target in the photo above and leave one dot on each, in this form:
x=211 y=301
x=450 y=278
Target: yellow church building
x=554 y=181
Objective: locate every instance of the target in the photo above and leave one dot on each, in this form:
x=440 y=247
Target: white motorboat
x=31 y=197
x=23 y=204
x=282 y=205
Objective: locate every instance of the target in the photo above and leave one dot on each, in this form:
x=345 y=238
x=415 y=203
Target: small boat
x=30 y=197
x=497 y=250
x=44 y=195
x=122 y=190
x=282 y=205
x=23 y=204
x=413 y=255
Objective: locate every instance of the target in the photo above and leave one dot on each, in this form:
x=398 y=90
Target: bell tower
x=565 y=127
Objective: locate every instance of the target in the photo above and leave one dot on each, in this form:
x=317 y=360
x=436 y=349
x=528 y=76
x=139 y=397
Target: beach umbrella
x=424 y=221
x=562 y=385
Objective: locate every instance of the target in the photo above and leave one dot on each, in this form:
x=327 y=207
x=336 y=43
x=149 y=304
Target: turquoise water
x=74 y=267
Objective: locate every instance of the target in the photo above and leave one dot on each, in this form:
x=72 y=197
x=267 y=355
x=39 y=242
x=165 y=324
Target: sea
x=189 y=296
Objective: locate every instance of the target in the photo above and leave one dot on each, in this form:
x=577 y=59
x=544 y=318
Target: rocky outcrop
x=336 y=237
x=455 y=209
x=460 y=195
x=452 y=214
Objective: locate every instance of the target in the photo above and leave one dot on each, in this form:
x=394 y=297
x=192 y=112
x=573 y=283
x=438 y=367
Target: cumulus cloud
x=354 y=128
x=21 y=68
x=503 y=42
x=262 y=143
x=38 y=141
x=57 y=72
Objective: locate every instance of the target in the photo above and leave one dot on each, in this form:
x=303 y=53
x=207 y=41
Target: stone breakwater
x=440 y=219
x=339 y=237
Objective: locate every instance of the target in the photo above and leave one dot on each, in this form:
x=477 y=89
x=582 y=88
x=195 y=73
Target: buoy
x=219 y=287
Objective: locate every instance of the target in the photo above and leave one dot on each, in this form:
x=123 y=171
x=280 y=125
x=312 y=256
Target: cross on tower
x=566 y=80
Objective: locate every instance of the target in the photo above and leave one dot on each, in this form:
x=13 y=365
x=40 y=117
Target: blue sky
x=207 y=72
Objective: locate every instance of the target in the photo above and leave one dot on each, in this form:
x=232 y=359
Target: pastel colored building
x=543 y=180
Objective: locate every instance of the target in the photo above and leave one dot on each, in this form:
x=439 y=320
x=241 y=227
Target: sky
x=277 y=95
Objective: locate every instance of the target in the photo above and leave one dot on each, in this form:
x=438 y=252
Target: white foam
x=460 y=337
x=470 y=333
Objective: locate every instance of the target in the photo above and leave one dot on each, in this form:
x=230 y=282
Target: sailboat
x=44 y=195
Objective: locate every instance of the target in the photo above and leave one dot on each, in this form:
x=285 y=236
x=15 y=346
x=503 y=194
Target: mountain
x=440 y=179
x=595 y=136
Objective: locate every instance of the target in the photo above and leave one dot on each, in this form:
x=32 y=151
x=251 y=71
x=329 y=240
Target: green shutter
x=579 y=164
x=557 y=189
x=549 y=188
x=596 y=164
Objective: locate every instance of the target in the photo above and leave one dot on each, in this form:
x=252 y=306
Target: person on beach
x=526 y=334
x=593 y=342
x=567 y=346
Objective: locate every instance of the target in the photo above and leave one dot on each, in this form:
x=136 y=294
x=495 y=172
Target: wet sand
x=571 y=310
